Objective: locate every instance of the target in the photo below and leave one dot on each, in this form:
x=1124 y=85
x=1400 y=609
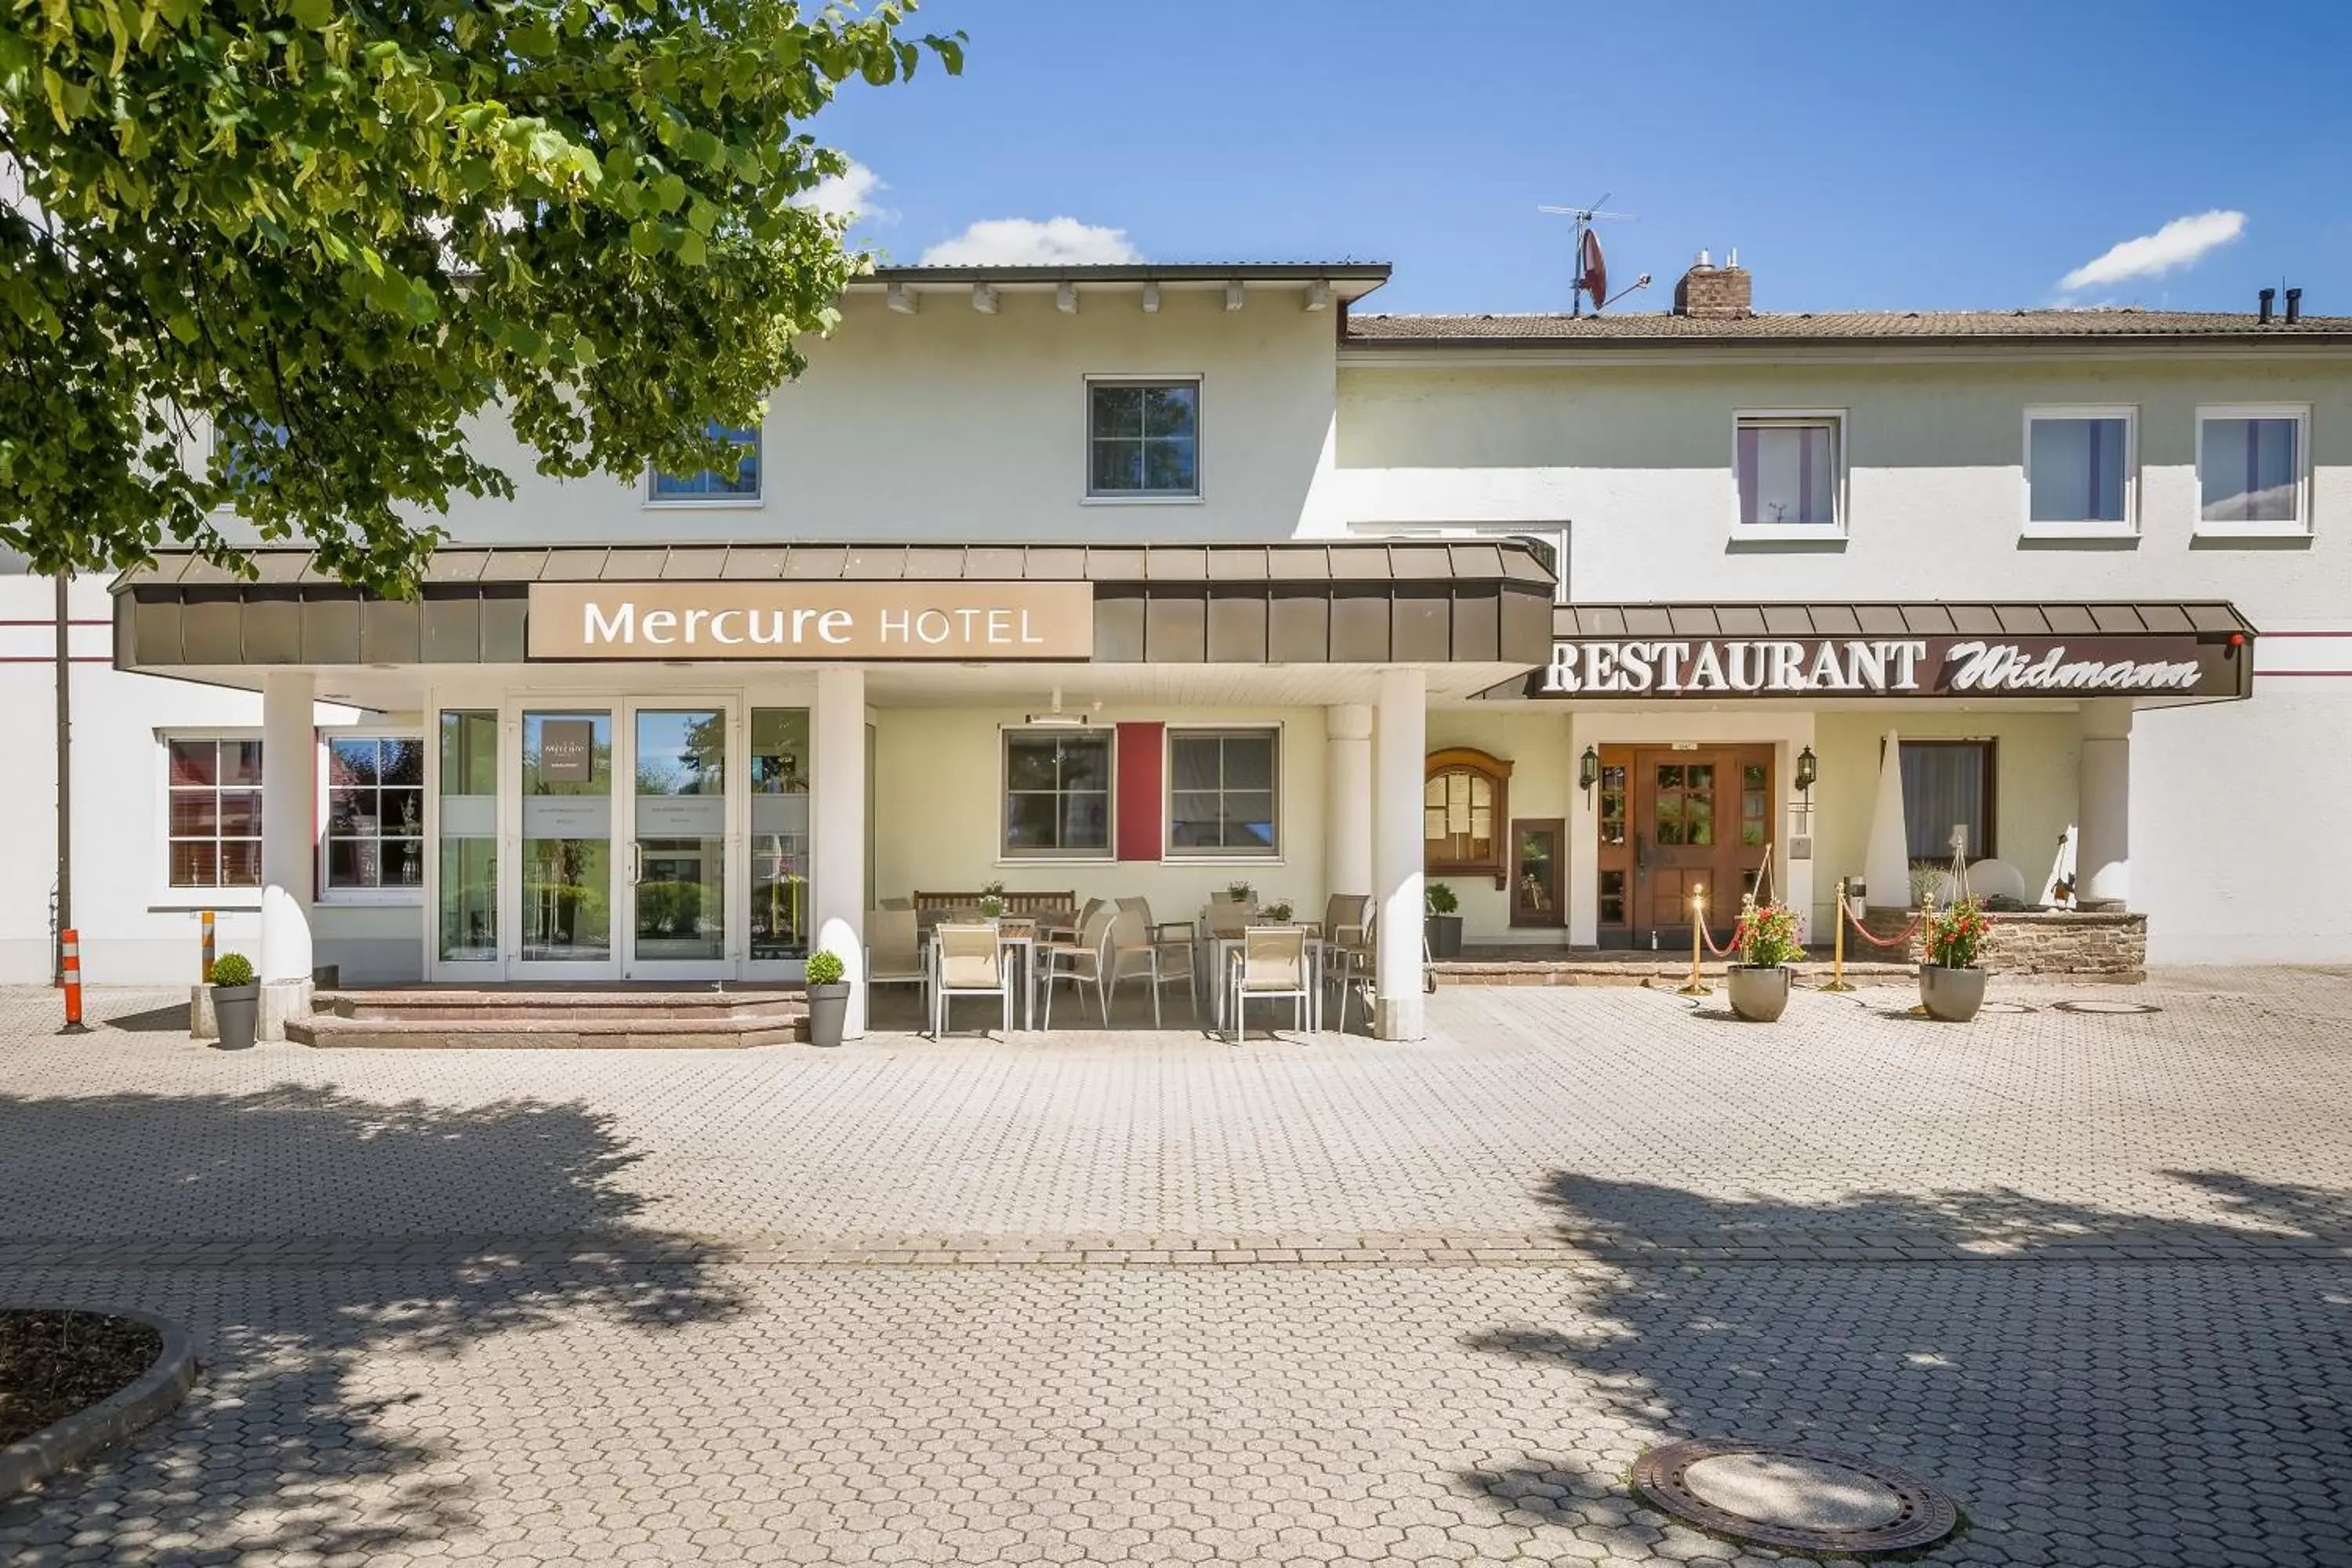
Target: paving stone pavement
x=1150 y=1297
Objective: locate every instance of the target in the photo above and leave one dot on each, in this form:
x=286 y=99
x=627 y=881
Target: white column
x=2103 y=852
x=837 y=821
x=1399 y=748
x=289 y=847
x=1347 y=815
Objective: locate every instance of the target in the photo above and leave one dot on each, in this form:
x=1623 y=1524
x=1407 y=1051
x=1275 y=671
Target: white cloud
x=848 y=195
x=2178 y=244
x=1026 y=242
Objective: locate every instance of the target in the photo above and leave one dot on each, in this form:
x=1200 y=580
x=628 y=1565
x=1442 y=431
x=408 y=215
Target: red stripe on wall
x=1138 y=758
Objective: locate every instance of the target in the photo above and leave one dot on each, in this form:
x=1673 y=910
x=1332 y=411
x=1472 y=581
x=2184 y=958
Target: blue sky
x=1889 y=156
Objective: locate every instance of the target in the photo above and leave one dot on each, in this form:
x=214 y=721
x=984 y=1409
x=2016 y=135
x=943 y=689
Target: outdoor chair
x=968 y=960
x=1343 y=917
x=1141 y=951
x=1351 y=960
x=893 y=950
x=1082 y=962
x=1228 y=919
x=1272 y=968
x=1064 y=926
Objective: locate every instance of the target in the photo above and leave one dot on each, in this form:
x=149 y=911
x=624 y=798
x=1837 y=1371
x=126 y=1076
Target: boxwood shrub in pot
x=1765 y=943
x=1951 y=985
x=828 y=999
x=1444 y=925
x=236 y=1001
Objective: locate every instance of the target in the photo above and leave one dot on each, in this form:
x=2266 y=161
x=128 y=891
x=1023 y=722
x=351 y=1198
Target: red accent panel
x=1138 y=760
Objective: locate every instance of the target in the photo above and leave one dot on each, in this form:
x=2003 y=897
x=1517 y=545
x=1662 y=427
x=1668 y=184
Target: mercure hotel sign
x=827 y=620
x=1883 y=666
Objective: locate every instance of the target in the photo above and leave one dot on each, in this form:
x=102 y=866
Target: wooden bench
x=1022 y=905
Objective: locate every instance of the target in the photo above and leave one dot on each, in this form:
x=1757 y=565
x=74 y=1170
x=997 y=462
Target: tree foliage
x=280 y=254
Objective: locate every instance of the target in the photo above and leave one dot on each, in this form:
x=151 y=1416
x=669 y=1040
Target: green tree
x=280 y=254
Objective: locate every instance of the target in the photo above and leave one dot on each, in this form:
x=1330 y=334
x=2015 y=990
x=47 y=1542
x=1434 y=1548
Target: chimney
x=2294 y=306
x=1719 y=293
x=2262 y=318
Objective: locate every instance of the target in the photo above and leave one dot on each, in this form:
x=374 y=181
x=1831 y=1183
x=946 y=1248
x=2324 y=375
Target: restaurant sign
x=828 y=620
x=1899 y=666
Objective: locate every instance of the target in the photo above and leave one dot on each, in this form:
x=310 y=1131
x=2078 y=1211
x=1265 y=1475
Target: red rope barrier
x=1718 y=952
x=1901 y=938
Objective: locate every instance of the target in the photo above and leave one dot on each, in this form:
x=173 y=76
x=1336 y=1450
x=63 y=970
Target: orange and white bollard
x=207 y=975
x=70 y=954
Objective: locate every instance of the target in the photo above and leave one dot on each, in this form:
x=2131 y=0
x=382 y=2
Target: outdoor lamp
x=1588 y=771
x=1808 y=770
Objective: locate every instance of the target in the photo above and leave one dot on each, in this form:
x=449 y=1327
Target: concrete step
x=452 y=1004
x=514 y=1029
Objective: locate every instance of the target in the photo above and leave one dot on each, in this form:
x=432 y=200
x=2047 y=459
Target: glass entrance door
x=566 y=881
x=682 y=773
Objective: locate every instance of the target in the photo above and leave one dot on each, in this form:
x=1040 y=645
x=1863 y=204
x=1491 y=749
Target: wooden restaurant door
x=1698 y=818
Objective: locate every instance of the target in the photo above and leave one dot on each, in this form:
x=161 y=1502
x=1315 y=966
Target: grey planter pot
x=1952 y=994
x=1759 y=992
x=1445 y=935
x=236 y=1011
x=828 y=1013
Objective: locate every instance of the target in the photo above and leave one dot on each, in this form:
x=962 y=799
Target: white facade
x=926 y=420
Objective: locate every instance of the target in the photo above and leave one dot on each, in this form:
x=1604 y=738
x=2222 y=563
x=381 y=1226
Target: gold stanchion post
x=1697 y=987
x=1838 y=982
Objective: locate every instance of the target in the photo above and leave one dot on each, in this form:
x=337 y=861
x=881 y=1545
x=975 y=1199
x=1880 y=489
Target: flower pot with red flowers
x=1951 y=985
x=1766 y=942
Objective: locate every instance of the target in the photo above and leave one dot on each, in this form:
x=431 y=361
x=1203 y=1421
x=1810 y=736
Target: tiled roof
x=1654 y=327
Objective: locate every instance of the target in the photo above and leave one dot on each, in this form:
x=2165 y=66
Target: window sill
x=371 y=899
x=191 y=901
x=703 y=503
x=2059 y=532
x=1828 y=536
x=1142 y=500
x=1032 y=861
x=2225 y=532
x=1227 y=862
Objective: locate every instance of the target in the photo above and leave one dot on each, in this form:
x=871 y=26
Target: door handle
x=637 y=863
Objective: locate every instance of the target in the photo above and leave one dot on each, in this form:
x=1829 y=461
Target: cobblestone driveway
x=1130 y=1299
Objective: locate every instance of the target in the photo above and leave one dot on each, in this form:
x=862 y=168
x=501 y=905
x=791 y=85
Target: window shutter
x=1137 y=760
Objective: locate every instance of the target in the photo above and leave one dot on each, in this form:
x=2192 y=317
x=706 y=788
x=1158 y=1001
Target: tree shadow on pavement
x=2092 y=1385
x=327 y=1316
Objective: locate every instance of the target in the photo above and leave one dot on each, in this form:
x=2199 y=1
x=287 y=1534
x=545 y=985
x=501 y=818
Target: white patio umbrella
x=1886 y=867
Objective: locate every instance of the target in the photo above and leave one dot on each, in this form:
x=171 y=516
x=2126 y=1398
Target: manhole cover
x=2005 y=1008
x=2096 y=1005
x=1811 y=1500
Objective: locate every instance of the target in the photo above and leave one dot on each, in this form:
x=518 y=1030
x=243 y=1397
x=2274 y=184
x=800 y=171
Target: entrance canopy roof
x=1472 y=612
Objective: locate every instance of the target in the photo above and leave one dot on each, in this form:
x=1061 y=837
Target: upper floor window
x=1221 y=791
x=1143 y=438
x=2080 y=467
x=213 y=811
x=243 y=448
x=741 y=483
x=2253 y=470
x=1788 y=470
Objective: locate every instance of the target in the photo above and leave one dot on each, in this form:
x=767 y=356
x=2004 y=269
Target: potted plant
x=1240 y=892
x=1276 y=914
x=1444 y=925
x=828 y=999
x=1766 y=942
x=1951 y=986
x=992 y=900
x=236 y=1001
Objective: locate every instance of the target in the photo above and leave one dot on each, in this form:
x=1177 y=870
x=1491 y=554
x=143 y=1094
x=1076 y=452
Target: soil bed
x=53 y=1363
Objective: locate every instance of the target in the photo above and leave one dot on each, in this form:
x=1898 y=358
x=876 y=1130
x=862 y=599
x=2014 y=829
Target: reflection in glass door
x=567 y=840
x=677 y=871
x=779 y=833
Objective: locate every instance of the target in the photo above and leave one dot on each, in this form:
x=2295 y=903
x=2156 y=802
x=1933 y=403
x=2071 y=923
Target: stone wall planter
x=1759 y=992
x=1952 y=994
x=149 y=1396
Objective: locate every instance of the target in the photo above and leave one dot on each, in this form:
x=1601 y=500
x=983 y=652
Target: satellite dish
x=1591 y=272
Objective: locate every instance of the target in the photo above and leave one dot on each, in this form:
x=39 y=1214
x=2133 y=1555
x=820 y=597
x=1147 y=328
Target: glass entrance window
x=779 y=764
x=567 y=837
x=1685 y=804
x=467 y=922
x=680 y=874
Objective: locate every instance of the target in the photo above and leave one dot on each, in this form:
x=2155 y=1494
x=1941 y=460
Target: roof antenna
x=1592 y=271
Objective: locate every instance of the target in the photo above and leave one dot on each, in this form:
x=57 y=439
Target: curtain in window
x=1943 y=785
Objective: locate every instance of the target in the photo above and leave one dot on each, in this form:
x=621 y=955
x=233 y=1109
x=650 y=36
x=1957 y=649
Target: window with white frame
x=1222 y=790
x=242 y=449
x=375 y=811
x=2251 y=467
x=738 y=484
x=213 y=811
x=1788 y=470
x=1057 y=786
x=1143 y=438
x=2080 y=466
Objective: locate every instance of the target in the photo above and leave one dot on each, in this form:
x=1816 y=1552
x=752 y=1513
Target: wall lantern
x=1588 y=771
x=1808 y=770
